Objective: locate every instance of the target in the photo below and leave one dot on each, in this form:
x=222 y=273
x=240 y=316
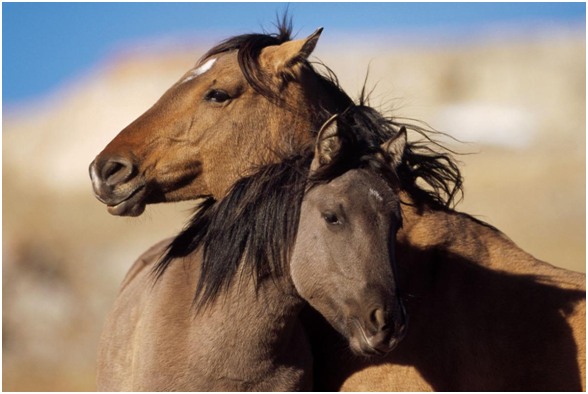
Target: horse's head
x=217 y=121
x=343 y=262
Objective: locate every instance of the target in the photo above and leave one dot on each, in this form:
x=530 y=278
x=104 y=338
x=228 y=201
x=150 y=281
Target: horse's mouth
x=372 y=351
x=361 y=345
x=132 y=205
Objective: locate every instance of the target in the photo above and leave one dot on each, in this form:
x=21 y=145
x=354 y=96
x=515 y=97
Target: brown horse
x=485 y=315
x=256 y=256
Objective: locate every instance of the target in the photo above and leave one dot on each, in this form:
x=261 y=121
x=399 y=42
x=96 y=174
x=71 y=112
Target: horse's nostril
x=378 y=319
x=116 y=171
x=110 y=169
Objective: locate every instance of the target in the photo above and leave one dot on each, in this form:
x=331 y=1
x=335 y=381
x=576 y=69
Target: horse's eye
x=217 y=96
x=331 y=218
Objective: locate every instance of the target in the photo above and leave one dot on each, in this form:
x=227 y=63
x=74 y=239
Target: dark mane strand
x=339 y=101
x=426 y=161
x=254 y=225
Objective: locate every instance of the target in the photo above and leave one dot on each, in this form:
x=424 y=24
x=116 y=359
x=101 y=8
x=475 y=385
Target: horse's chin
x=133 y=206
x=364 y=349
x=378 y=346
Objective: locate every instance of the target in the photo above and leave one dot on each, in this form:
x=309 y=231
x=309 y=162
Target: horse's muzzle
x=380 y=333
x=116 y=184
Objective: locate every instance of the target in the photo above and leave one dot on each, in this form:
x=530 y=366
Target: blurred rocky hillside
x=520 y=102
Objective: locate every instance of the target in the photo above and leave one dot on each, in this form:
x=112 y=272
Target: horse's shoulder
x=146 y=261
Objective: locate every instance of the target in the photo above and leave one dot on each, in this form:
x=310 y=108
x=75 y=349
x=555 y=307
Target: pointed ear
x=286 y=59
x=394 y=147
x=327 y=145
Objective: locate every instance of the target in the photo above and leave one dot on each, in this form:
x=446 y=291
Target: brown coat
x=484 y=315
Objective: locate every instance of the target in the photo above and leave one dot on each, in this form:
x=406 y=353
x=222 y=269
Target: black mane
x=256 y=224
x=426 y=161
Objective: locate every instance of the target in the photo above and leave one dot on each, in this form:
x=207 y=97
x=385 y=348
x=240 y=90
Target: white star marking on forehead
x=200 y=70
x=376 y=194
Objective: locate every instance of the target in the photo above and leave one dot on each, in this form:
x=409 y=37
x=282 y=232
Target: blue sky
x=46 y=44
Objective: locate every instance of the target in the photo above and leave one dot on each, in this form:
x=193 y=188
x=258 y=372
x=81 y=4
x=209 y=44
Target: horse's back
x=564 y=291
x=575 y=315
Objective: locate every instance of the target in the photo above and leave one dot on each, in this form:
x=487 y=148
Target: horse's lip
x=366 y=347
x=373 y=351
x=124 y=207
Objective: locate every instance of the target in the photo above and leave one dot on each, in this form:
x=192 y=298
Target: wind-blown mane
x=255 y=224
x=427 y=161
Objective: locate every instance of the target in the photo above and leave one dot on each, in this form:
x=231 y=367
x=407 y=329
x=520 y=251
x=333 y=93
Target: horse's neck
x=253 y=336
x=289 y=125
x=305 y=106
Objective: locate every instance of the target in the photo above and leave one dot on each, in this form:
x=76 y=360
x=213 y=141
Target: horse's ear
x=394 y=147
x=285 y=59
x=327 y=145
